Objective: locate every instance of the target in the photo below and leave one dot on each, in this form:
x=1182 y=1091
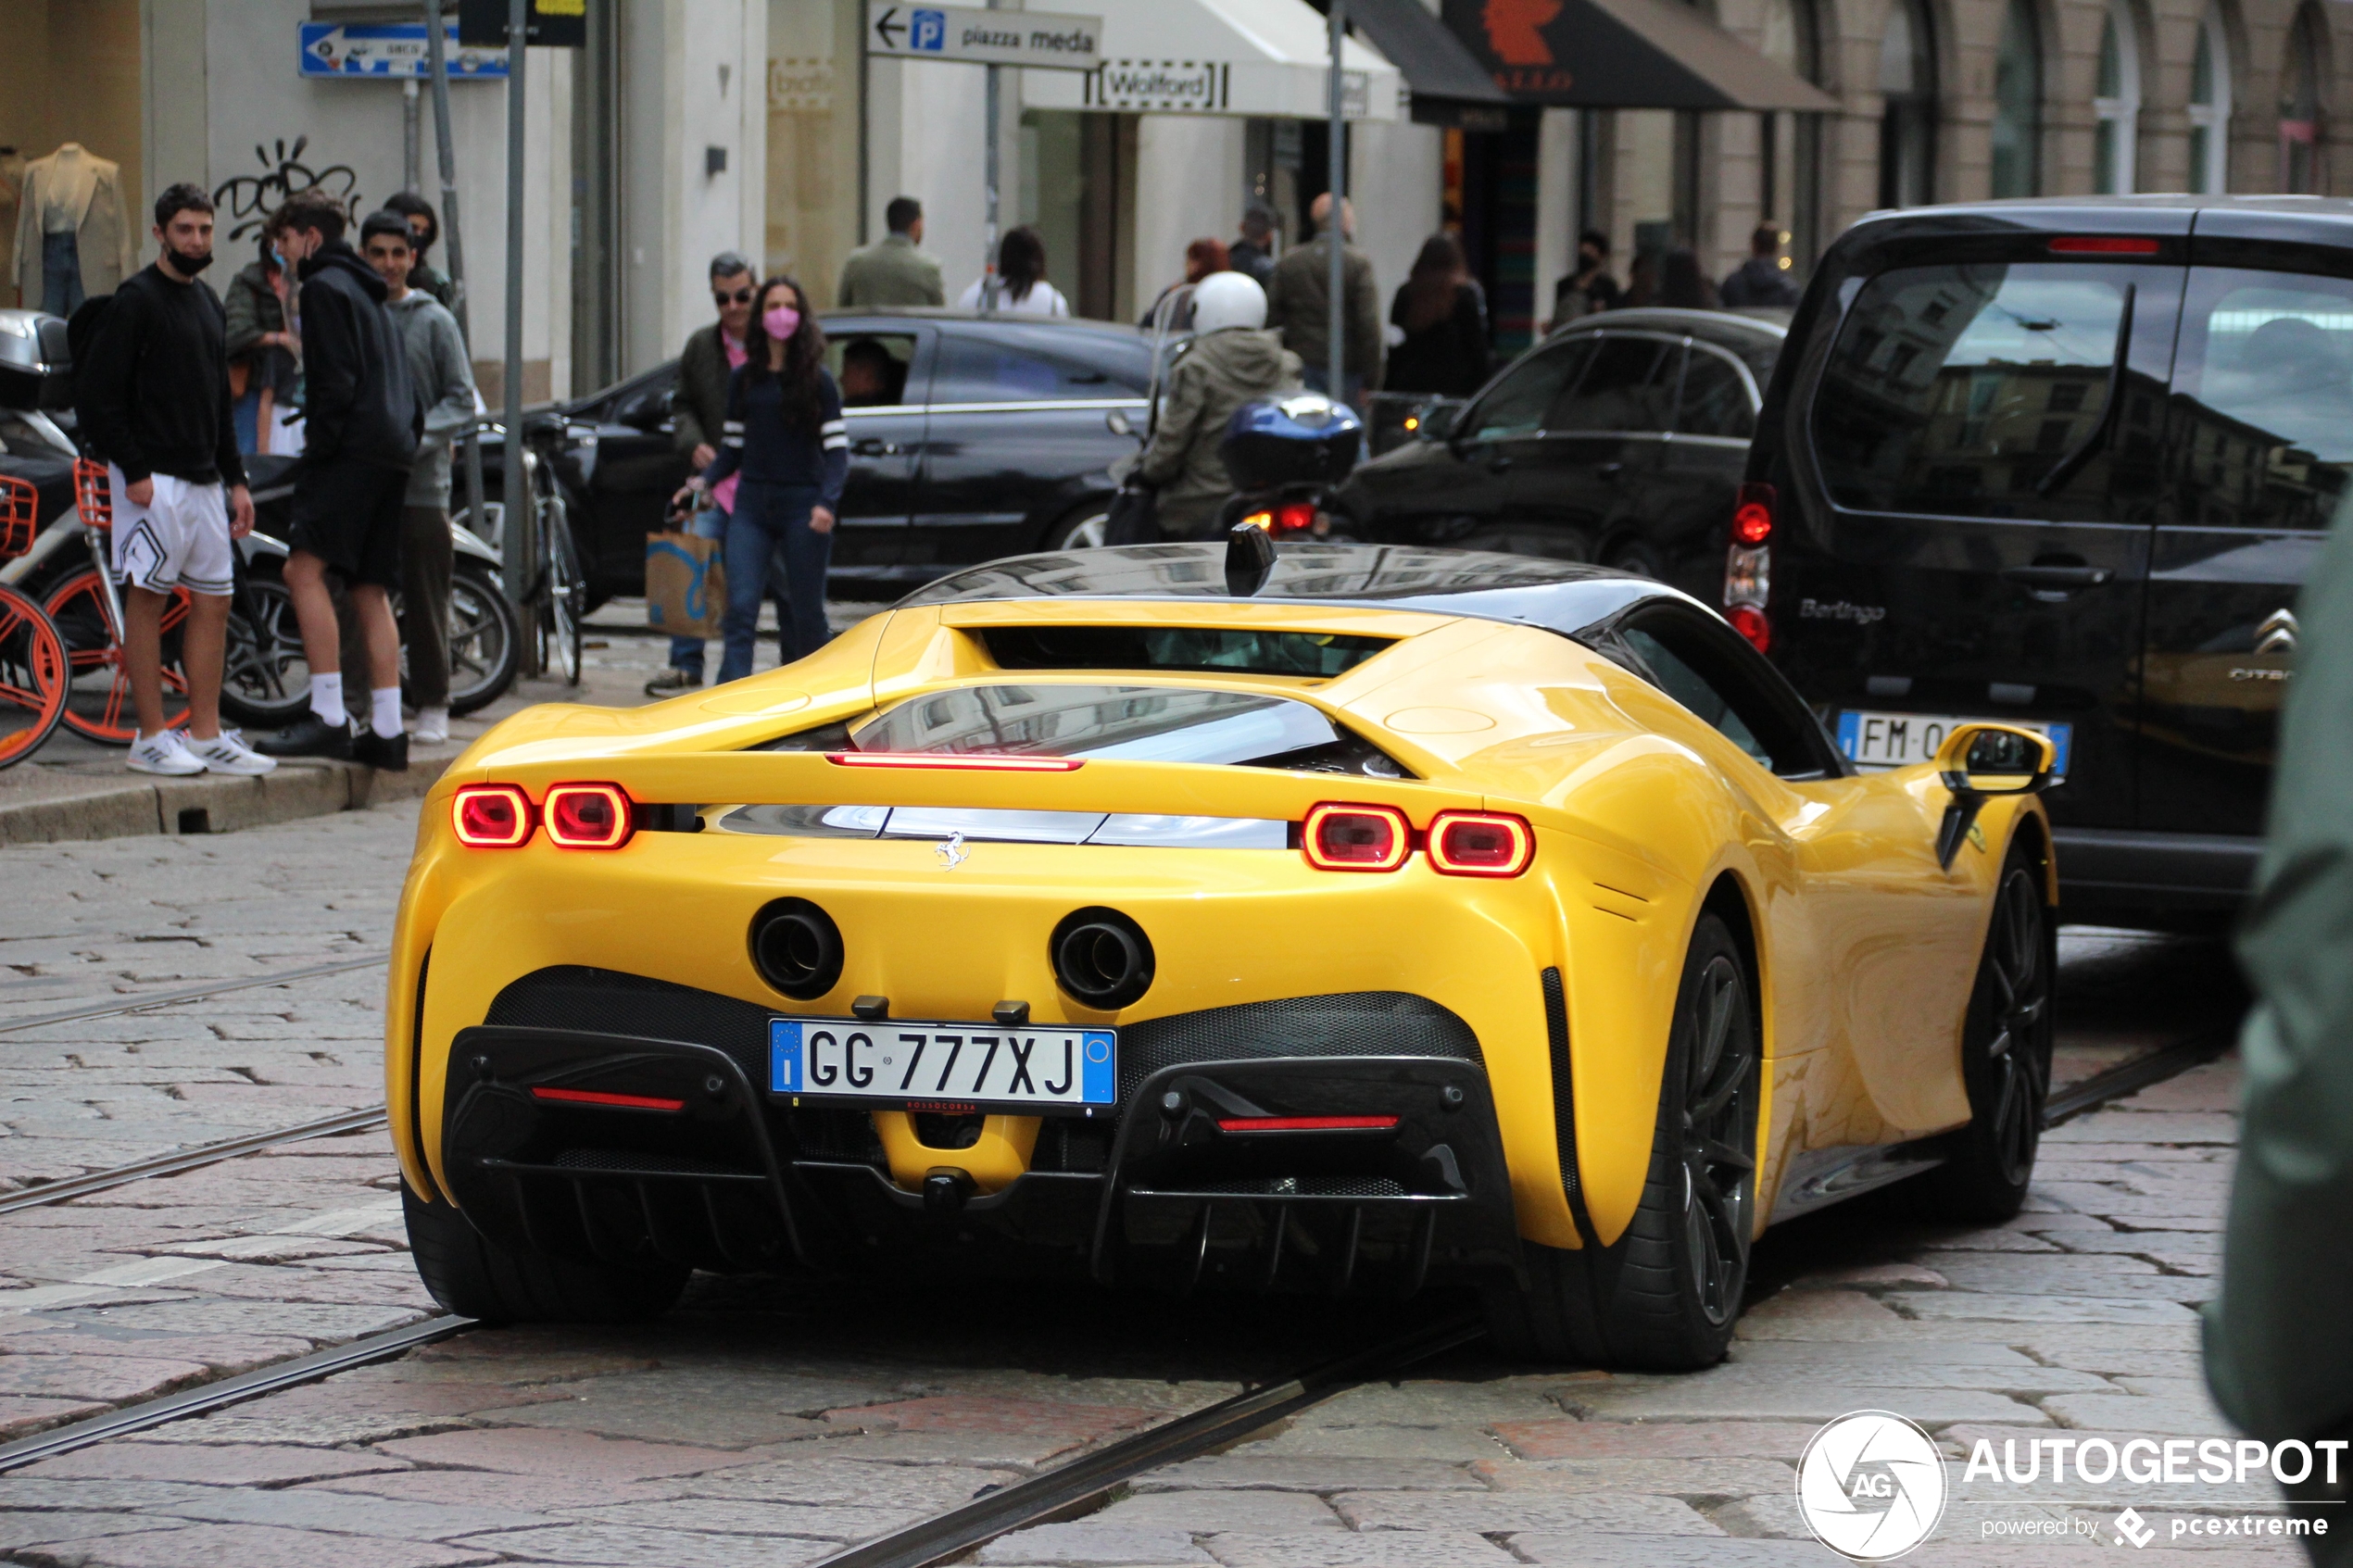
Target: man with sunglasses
x=698 y=410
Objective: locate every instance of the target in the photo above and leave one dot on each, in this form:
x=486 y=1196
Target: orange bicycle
x=33 y=656
x=87 y=608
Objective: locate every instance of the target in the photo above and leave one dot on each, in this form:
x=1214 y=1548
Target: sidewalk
x=76 y=789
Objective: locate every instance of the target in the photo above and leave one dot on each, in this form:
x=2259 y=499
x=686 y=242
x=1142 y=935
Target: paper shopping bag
x=686 y=585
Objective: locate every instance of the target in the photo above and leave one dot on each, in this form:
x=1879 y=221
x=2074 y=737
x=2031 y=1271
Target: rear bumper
x=2114 y=873
x=737 y=1179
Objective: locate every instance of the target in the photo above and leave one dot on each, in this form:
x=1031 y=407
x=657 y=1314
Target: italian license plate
x=1896 y=740
x=947 y=1067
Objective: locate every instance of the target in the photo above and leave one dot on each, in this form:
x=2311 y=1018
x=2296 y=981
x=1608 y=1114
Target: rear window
x=2263 y=408
x=1141 y=723
x=1178 y=647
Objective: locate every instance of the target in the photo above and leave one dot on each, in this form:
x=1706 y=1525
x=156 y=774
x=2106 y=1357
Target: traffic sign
x=391 y=52
x=1037 y=40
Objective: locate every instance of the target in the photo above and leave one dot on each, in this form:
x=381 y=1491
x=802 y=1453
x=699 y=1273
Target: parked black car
x=981 y=437
x=2065 y=462
x=1619 y=439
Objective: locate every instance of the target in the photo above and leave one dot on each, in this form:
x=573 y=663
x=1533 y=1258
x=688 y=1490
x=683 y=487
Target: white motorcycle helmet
x=1228 y=299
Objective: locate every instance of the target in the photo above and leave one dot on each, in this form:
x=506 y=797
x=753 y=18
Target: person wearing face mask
x=152 y=397
x=784 y=434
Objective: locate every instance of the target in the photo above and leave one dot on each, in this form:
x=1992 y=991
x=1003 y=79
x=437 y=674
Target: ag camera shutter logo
x=1872 y=1485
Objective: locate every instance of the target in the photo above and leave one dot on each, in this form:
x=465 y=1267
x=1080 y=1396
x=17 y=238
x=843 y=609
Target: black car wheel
x=470 y=1274
x=1085 y=529
x=1665 y=1295
x=1552 y=544
x=2006 y=1057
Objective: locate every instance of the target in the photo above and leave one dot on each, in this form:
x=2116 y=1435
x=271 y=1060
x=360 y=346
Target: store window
x=813 y=82
x=2211 y=109
x=1907 y=115
x=2116 y=108
x=2018 y=104
x=2300 y=105
x=1790 y=145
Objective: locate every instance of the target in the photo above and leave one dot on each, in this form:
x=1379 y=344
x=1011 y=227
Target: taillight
x=1294 y=517
x=491 y=816
x=1356 y=838
x=1480 y=843
x=1748 y=565
x=587 y=816
x=2103 y=244
x=976 y=762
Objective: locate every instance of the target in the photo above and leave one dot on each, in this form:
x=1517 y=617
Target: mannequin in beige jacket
x=72 y=194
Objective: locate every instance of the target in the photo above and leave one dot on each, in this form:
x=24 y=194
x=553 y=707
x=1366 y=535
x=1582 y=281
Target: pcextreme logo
x=1872 y=1485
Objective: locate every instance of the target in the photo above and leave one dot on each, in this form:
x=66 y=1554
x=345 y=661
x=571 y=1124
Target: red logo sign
x=1515 y=30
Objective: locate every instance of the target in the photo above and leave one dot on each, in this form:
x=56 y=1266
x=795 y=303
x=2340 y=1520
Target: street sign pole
x=520 y=561
x=451 y=234
x=1335 y=169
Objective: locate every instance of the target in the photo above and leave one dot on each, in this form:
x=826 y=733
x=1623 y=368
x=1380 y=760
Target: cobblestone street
x=770 y=1421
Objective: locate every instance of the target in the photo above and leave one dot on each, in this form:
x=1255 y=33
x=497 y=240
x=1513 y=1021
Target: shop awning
x=1623 y=55
x=1445 y=84
x=1259 y=57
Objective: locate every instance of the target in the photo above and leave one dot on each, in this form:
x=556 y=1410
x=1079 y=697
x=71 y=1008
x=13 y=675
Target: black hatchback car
x=970 y=438
x=1620 y=439
x=2064 y=463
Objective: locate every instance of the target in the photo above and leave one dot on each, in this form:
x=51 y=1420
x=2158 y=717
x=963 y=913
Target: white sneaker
x=163 y=754
x=433 y=726
x=228 y=753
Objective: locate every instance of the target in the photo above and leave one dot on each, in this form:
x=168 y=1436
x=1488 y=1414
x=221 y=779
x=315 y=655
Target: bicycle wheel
x=98 y=699
x=32 y=677
x=567 y=601
x=265 y=679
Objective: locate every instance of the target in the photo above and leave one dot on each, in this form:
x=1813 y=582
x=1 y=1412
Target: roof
x=1563 y=596
x=2170 y=214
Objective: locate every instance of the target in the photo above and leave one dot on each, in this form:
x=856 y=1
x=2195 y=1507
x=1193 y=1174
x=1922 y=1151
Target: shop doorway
x=1077 y=190
x=1489 y=200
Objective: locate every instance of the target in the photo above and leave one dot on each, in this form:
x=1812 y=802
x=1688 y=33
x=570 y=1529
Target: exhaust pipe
x=1102 y=958
x=797 y=948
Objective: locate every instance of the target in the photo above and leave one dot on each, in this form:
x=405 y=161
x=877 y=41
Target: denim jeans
x=685 y=653
x=772 y=520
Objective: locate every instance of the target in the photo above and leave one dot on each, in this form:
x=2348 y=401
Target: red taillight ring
x=1400 y=845
x=491 y=817
x=571 y=812
x=1455 y=861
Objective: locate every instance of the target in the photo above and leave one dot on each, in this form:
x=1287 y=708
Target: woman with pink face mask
x=784 y=437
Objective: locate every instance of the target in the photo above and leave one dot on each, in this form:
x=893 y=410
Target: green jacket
x=1218 y=374
x=699 y=408
x=890 y=271
x=2279 y=1340
x=1298 y=305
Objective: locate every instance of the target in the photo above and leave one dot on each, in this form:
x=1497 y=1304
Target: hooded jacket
x=444 y=384
x=1219 y=372
x=359 y=405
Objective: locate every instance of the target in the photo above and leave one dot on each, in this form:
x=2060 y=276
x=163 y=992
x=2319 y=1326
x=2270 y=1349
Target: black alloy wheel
x=1718 y=1136
x=2005 y=1056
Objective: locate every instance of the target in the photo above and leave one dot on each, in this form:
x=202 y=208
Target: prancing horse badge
x=953 y=852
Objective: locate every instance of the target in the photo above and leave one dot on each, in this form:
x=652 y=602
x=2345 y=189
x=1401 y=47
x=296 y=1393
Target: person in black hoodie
x=361 y=425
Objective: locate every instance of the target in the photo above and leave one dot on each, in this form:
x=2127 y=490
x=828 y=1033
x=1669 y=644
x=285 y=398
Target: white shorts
x=179 y=540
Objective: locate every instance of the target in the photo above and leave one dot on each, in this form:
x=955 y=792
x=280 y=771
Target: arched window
x=1907 y=120
x=2300 y=109
x=2116 y=104
x=1789 y=145
x=2211 y=109
x=2017 y=104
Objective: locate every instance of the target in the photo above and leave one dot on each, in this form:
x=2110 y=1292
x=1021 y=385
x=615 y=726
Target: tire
x=1664 y=1296
x=32 y=677
x=485 y=644
x=98 y=698
x=1638 y=556
x=1082 y=529
x=2005 y=1058
x=477 y=1278
x=256 y=653
x=1562 y=543
x=567 y=602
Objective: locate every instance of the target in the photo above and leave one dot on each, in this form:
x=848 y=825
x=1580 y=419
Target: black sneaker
x=309 y=736
x=387 y=752
x=673 y=681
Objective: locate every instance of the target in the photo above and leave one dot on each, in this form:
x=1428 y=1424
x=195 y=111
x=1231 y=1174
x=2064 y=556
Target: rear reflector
x=962 y=761
x=1306 y=1124
x=1480 y=843
x=1356 y=838
x=2103 y=244
x=598 y=1097
x=491 y=816
x=592 y=816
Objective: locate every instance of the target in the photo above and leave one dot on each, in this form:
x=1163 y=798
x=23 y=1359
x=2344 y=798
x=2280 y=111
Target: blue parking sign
x=930 y=30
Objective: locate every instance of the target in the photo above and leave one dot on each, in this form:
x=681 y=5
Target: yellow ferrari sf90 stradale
x=1151 y=915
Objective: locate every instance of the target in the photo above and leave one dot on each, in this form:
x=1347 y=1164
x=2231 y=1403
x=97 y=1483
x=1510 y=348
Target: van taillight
x=1748 y=566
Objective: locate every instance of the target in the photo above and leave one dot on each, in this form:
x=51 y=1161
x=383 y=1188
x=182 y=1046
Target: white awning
x=1261 y=57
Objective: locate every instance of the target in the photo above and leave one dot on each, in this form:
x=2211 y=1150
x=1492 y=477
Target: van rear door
x=1985 y=429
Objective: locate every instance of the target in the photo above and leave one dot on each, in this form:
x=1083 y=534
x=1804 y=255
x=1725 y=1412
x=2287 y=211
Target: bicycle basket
x=91 y=498
x=19 y=507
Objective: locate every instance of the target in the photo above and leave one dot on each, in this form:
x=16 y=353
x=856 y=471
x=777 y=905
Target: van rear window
x=1222 y=649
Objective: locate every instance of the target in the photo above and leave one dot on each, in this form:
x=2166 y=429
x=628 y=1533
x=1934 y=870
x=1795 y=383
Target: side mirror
x=1435 y=419
x=1118 y=423
x=1979 y=762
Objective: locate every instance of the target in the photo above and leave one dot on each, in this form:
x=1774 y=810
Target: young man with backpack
x=151 y=392
x=361 y=423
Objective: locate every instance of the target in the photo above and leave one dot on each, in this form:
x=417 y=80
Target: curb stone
x=125 y=804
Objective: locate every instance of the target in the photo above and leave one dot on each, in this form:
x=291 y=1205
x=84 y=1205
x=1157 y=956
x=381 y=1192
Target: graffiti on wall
x=247 y=200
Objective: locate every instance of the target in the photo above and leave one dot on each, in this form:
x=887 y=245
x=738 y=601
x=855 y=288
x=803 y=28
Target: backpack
x=82 y=331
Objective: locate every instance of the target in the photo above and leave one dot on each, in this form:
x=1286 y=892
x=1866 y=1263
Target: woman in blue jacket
x=784 y=434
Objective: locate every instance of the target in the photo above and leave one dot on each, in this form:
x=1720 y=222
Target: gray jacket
x=444 y=384
x=1218 y=373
